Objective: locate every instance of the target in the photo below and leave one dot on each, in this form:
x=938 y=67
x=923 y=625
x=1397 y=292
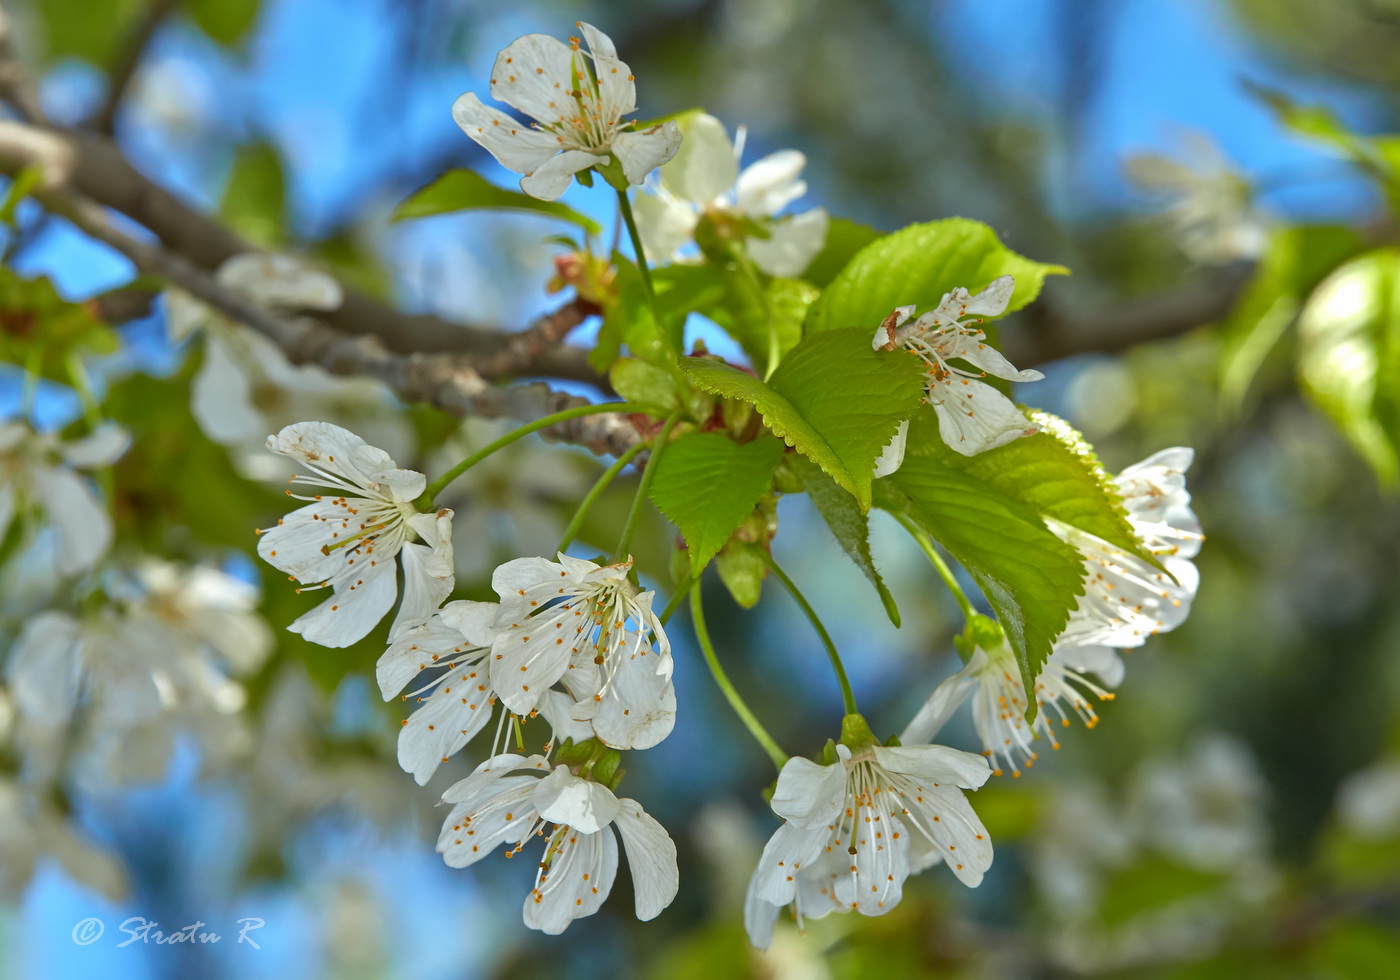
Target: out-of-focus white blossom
x=704 y=181
x=42 y=474
x=1368 y=801
x=1211 y=206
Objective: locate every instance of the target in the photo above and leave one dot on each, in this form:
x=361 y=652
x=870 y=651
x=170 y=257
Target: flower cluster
x=578 y=642
x=1126 y=600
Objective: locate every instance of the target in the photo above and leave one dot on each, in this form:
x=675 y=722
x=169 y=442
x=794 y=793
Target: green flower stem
x=681 y=591
x=751 y=722
x=848 y=697
x=944 y=572
x=636 y=238
x=658 y=446
x=82 y=384
x=33 y=364
x=604 y=481
x=425 y=500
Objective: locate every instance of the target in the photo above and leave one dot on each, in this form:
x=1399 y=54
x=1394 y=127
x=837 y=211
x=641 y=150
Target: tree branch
x=129 y=59
x=444 y=379
x=1041 y=332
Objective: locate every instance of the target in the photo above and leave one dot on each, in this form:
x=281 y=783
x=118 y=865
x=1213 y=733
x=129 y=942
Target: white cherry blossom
x=456 y=703
x=992 y=680
x=856 y=829
x=352 y=537
x=213 y=611
x=577 y=100
x=1126 y=599
x=511 y=799
x=43 y=473
x=704 y=180
x=972 y=416
x=570 y=618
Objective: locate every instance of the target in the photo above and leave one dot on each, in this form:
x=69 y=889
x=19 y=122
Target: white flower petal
x=349 y=614
x=472 y=831
x=792 y=243
x=665 y=224
x=332 y=449
x=221 y=396
x=448 y=720
x=874 y=882
x=616 y=90
x=474 y=620
x=282 y=282
x=515 y=145
x=974 y=417
x=993 y=299
x=935 y=764
x=81 y=520
x=651 y=854
x=947 y=697
x=642 y=151
x=788 y=851
x=552 y=178
x=535 y=74
x=809 y=795
x=482 y=782
x=639 y=709
x=892 y=456
x=579 y=877
x=704 y=167
x=563 y=798
x=44 y=668
x=427 y=580
x=101 y=448
x=759 y=916
x=771 y=184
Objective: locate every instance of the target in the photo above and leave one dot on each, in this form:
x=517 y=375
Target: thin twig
x=129 y=59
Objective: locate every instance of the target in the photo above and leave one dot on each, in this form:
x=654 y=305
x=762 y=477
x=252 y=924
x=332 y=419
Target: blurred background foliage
x=1237 y=811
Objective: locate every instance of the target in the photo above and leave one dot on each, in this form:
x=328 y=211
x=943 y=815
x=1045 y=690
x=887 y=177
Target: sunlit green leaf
x=1030 y=577
x=707 y=483
x=833 y=399
x=917 y=265
x=1349 y=355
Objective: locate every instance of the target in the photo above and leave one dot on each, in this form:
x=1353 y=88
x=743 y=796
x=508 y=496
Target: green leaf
x=1054 y=472
x=707 y=483
x=1030 y=577
x=848 y=525
x=255 y=198
x=638 y=381
x=844 y=239
x=1349 y=355
x=833 y=399
x=460 y=190
x=918 y=264
x=226 y=21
